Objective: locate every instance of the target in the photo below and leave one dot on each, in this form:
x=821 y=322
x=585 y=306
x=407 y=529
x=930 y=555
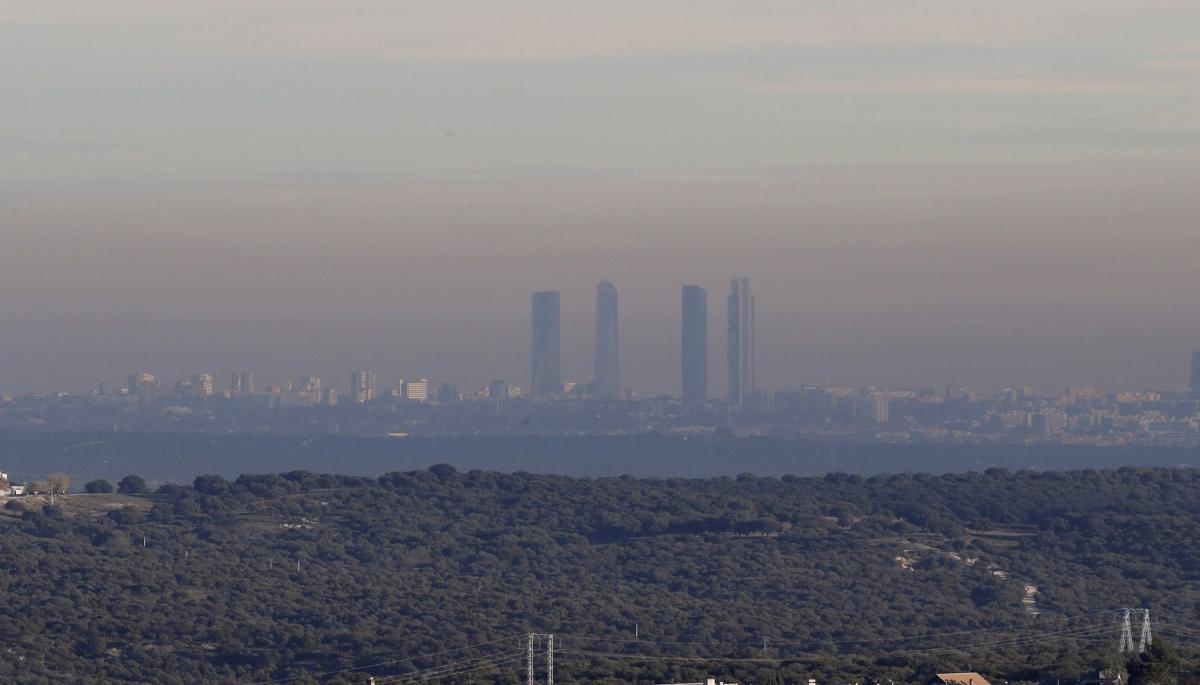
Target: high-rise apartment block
x=608 y=368
x=137 y=380
x=144 y=386
x=241 y=383
x=362 y=386
x=740 y=341
x=202 y=385
x=416 y=391
x=448 y=392
x=545 y=365
x=694 y=338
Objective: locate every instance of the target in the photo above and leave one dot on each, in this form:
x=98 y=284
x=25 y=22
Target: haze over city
x=654 y=342
x=919 y=202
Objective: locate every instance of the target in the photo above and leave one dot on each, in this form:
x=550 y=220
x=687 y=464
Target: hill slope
x=278 y=576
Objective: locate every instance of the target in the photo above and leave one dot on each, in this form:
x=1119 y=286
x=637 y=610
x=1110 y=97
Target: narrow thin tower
x=529 y=661
x=694 y=344
x=1126 y=644
x=608 y=361
x=1194 y=380
x=740 y=341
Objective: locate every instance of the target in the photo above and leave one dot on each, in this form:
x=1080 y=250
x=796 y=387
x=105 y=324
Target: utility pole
x=550 y=659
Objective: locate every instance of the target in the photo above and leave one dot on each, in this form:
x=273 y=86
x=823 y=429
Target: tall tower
x=608 y=364
x=202 y=384
x=546 y=369
x=740 y=342
x=694 y=338
x=362 y=386
x=1194 y=385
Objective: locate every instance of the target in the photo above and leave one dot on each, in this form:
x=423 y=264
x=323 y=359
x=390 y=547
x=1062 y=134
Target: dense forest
x=180 y=457
x=306 y=578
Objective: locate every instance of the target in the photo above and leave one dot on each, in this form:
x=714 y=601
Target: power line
x=554 y=644
x=455 y=668
x=1078 y=633
x=382 y=663
x=450 y=670
x=904 y=638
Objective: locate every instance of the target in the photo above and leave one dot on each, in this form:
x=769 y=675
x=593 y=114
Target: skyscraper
x=695 y=344
x=202 y=384
x=608 y=366
x=546 y=368
x=1195 y=382
x=447 y=392
x=362 y=386
x=417 y=391
x=740 y=342
x=137 y=380
x=144 y=386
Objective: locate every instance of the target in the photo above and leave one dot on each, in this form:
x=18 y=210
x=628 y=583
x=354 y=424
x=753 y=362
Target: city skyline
x=933 y=197
x=348 y=342
x=362 y=385
x=737 y=330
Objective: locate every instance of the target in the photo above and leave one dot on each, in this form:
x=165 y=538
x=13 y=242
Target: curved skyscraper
x=694 y=341
x=547 y=372
x=608 y=366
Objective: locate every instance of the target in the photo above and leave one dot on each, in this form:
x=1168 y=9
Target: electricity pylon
x=534 y=640
x=1126 y=644
x=1145 y=640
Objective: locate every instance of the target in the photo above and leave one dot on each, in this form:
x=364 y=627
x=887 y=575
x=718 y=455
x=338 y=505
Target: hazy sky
x=922 y=192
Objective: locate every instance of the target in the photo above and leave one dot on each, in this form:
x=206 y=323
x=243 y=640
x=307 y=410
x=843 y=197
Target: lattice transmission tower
x=533 y=645
x=1144 y=640
x=1126 y=644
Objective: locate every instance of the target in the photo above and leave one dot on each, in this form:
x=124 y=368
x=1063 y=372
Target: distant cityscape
x=603 y=406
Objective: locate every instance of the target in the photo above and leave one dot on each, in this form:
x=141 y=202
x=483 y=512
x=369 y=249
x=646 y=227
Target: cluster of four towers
x=546 y=362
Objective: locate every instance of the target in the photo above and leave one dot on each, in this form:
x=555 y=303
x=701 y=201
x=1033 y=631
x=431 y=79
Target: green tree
x=97 y=487
x=1157 y=666
x=132 y=485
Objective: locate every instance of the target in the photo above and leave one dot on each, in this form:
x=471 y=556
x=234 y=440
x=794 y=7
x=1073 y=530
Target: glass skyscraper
x=545 y=366
x=1195 y=380
x=608 y=365
x=740 y=341
x=694 y=339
